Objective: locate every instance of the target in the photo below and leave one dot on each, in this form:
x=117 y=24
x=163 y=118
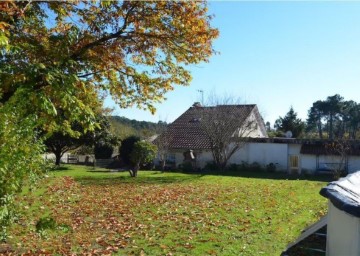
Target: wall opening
x=294 y=164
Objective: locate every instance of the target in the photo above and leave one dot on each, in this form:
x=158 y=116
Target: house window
x=171 y=158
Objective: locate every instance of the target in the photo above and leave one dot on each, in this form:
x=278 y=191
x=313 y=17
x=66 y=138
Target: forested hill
x=124 y=127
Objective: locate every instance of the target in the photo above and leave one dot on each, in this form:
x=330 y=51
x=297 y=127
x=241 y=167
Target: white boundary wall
x=266 y=153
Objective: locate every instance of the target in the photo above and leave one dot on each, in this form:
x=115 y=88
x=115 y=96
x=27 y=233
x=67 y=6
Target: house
x=187 y=140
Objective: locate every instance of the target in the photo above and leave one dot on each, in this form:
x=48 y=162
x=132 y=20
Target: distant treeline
x=124 y=127
x=332 y=118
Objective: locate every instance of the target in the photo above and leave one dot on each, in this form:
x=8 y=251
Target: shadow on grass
x=149 y=178
x=106 y=171
x=256 y=174
x=88 y=175
x=60 y=168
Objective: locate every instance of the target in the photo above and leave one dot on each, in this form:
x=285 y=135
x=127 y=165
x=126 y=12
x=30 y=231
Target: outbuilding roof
x=328 y=147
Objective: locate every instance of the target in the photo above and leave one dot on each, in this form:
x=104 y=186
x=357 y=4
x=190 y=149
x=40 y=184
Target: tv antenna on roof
x=202 y=96
x=288 y=134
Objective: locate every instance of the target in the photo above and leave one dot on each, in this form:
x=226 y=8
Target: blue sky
x=276 y=55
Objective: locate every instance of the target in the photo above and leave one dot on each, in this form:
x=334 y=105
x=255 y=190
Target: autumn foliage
x=102 y=213
x=59 y=59
x=65 y=55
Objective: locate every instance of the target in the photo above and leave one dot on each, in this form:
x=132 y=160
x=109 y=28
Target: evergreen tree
x=290 y=122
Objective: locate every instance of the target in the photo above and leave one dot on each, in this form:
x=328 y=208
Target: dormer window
x=195 y=120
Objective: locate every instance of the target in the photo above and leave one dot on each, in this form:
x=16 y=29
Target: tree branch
x=116 y=35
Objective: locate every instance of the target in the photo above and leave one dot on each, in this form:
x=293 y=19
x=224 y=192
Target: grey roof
x=324 y=148
x=186 y=131
x=345 y=194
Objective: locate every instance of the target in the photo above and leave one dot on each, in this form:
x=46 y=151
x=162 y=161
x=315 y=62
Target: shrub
x=186 y=167
x=255 y=166
x=233 y=168
x=45 y=223
x=143 y=153
x=244 y=166
x=103 y=151
x=21 y=160
x=126 y=148
x=211 y=166
x=271 y=167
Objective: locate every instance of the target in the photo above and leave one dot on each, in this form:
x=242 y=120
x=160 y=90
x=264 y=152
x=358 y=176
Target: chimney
x=197 y=105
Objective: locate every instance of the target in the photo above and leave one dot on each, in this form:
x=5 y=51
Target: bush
x=45 y=223
x=126 y=148
x=271 y=167
x=255 y=166
x=21 y=160
x=143 y=153
x=233 y=168
x=186 y=167
x=211 y=166
x=244 y=166
x=103 y=151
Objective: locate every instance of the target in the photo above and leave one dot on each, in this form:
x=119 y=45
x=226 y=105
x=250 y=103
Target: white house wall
x=354 y=164
x=308 y=163
x=263 y=153
x=202 y=157
x=294 y=149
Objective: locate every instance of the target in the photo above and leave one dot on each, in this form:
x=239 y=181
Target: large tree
x=290 y=122
x=64 y=55
x=334 y=116
x=315 y=117
x=352 y=111
x=100 y=138
x=59 y=58
x=333 y=108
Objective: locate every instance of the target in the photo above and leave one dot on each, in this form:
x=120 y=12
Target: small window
x=195 y=120
x=294 y=162
x=171 y=158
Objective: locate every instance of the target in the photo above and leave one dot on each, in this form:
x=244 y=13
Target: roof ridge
x=227 y=105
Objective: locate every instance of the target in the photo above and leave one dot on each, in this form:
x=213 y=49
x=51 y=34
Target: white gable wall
x=255 y=132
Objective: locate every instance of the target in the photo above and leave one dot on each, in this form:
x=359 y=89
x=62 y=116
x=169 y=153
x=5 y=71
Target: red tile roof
x=186 y=131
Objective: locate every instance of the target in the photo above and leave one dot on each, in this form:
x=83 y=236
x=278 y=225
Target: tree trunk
x=163 y=164
x=133 y=172
x=331 y=135
x=58 y=156
x=320 y=129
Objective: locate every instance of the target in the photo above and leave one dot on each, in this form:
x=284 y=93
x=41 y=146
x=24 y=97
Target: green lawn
x=99 y=212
